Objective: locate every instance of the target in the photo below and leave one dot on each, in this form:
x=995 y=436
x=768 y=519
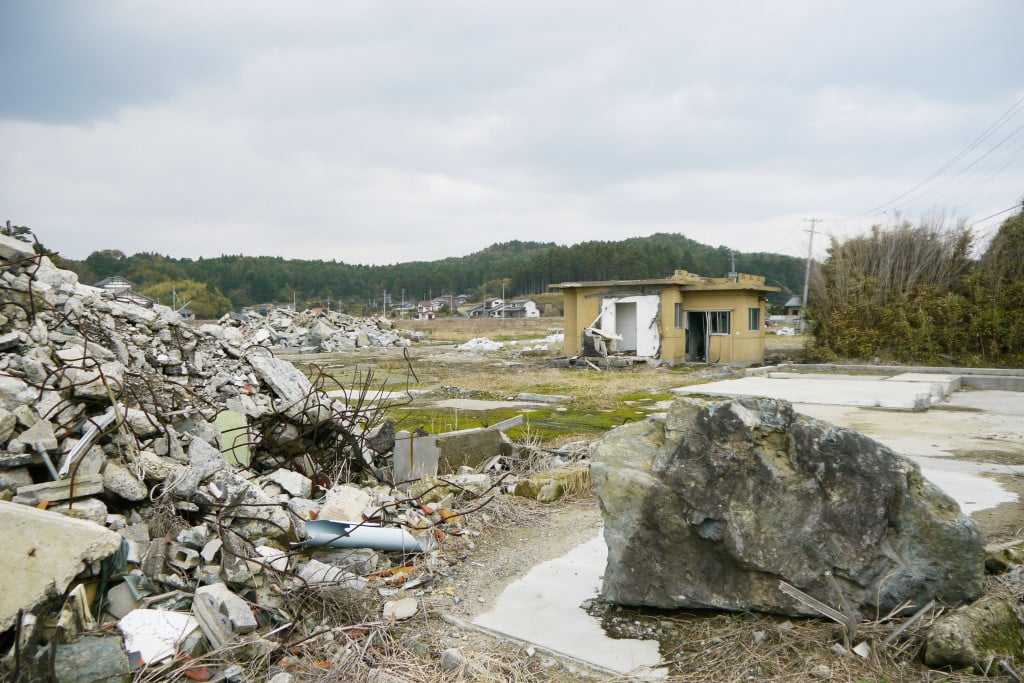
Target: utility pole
x=807 y=274
x=733 y=275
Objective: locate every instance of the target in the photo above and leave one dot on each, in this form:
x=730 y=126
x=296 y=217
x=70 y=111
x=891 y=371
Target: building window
x=719 y=322
x=679 y=316
x=755 y=318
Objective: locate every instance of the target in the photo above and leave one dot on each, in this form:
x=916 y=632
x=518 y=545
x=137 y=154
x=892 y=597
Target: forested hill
x=524 y=268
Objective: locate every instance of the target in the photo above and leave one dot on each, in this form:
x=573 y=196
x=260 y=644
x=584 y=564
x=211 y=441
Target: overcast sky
x=391 y=131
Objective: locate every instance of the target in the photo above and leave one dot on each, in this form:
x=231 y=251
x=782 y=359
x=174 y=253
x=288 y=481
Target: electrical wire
x=988 y=132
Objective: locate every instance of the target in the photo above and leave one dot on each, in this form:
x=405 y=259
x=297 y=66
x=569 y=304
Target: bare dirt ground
x=513 y=536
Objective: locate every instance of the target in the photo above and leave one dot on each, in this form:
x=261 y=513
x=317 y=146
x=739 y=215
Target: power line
x=998 y=213
x=988 y=132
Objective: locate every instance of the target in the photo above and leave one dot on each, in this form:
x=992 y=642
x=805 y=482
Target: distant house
x=425 y=311
x=187 y=314
x=518 y=308
x=485 y=309
x=676 y=319
x=123 y=289
x=794 y=306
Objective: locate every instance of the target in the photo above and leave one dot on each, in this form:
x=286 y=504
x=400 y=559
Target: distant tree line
x=914 y=293
x=525 y=268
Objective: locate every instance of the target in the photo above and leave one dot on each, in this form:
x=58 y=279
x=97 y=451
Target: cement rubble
x=151 y=422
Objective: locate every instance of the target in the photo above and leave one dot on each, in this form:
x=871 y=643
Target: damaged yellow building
x=682 y=318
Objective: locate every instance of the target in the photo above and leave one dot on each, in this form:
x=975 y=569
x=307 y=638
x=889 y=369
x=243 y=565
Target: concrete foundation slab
x=866 y=394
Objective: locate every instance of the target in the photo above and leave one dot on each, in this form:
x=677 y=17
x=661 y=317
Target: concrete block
x=414 y=457
x=182 y=557
x=469 y=448
x=52 y=491
x=44 y=553
x=222 y=614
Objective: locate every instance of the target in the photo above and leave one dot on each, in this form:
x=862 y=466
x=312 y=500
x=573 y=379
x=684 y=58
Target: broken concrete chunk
x=316 y=572
x=221 y=614
x=282 y=377
x=7 y=424
x=122 y=482
x=155 y=634
x=50 y=491
x=14 y=393
x=294 y=483
x=253 y=513
x=399 y=610
x=15 y=250
x=141 y=423
x=552 y=485
x=204 y=460
x=91 y=509
x=181 y=557
x=344 y=504
x=14 y=478
x=50 y=551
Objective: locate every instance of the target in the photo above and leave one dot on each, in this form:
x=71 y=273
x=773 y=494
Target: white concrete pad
x=543 y=608
x=970 y=422
x=865 y=394
x=832 y=377
x=942 y=385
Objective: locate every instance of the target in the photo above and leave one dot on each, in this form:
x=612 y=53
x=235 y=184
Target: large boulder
x=718 y=503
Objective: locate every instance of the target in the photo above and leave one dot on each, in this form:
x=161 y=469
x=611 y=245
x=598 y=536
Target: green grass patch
x=545 y=424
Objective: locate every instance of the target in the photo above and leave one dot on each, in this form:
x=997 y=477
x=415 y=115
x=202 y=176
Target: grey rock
x=92 y=659
x=381 y=439
x=452 y=660
x=716 y=505
x=976 y=636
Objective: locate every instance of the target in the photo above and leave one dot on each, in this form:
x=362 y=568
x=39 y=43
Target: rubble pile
x=307 y=331
x=185 y=485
